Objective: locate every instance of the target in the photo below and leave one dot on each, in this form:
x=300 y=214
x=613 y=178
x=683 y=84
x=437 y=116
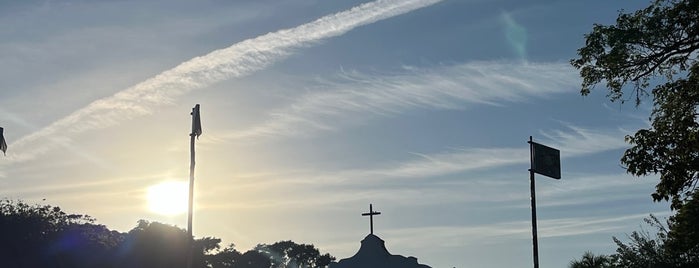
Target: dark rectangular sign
x=546 y=160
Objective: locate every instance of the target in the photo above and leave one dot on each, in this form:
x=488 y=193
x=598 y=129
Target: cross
x=371 y=217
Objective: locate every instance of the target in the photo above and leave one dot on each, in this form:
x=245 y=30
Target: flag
x=3 y=145
x=546 y=160
x=196 y=121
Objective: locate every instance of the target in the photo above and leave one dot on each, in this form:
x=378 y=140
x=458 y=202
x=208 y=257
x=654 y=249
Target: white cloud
x=583 y=141
x=484 y=166
x=237 y=60
x=463 y=235
x=574 y=142
x=447 y=87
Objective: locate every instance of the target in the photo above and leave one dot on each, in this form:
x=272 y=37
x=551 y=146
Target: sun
x=168 y=198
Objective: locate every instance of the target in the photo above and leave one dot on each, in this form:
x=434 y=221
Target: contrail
x=237 y=60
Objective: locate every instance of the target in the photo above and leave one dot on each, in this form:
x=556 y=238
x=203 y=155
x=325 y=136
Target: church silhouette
x=373 y=253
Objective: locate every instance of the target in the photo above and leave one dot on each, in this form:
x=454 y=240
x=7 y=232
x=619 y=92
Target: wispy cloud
x=445 y=87
x=462 y=235
x=341 y=185
x=428 y=165
x=237 y=60
x=583 y=141
x=573 y=142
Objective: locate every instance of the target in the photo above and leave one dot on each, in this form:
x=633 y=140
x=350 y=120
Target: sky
x=311 y=110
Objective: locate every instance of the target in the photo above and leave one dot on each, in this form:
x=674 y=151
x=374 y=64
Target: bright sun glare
x=168 y=198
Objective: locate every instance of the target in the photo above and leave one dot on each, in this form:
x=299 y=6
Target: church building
x=373 y=253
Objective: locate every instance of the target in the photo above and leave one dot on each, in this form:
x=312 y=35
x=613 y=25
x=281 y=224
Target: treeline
x=671 y=244
x=45 y=236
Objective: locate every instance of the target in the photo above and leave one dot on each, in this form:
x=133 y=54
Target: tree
x=287 y=254
x=683 y=237
x=653 y=49
x=225 y=258
x=589 y=260
x=154 y=244
x=45 y=236
x=644 y=249
x=282 y=254
x=253 y=259
x=668 y=247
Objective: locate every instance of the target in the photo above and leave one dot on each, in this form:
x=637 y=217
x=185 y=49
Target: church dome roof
x=373 y=254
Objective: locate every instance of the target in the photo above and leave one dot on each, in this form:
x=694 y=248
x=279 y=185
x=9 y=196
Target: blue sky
x=313 y=109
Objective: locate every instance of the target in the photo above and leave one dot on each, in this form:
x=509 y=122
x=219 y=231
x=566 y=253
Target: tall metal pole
x=191 y=195
x=535 y=242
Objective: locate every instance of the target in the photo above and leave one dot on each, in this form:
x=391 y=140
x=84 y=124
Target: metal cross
x=371 y=217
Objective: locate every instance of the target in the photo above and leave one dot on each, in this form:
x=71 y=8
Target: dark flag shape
x=546 y=160
x=196 y=121
x=3 y=144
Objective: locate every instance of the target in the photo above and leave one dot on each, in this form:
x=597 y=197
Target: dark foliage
x=45 y=236
x=153 y=244
x=644 y=249
x=590 y=260
x=683 y=237
x=289 y=254
x=674 y=244
x=653 y=48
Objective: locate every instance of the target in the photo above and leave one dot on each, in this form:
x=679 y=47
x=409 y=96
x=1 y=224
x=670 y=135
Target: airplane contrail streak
x=237 y=60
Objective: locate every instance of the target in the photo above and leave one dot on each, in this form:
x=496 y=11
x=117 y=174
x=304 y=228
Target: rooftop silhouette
x=373 y=253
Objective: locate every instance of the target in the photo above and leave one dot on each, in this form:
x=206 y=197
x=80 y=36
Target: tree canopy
x=590 y=260
x=45 y=236
x=674 y=243
x=683 y=236
x=653 y=52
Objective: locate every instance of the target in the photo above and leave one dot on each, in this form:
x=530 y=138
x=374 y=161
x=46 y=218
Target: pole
x=535 y=242
x=191 y=196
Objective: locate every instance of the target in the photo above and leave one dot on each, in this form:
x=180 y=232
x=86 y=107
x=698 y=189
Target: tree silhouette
x=154 y=244
x=589 y=260
x=644 y=249
x=287 y=254
x=45 y=236
x=228 y=257
x=253 y=259
x=683 y=238
x=653 y=48
x=669 y=245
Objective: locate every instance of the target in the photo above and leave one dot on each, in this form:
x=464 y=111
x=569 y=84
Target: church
x=373 y=253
